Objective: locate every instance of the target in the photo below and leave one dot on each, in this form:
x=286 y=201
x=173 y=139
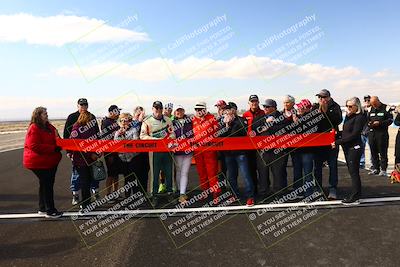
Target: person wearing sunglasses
x=351 y=142
x=205 y=127
x=269 y=159
x=365 y=132
x=303 y=156
x=82 y=106
x=157 y=127
x=130 y=166
x=332 y=117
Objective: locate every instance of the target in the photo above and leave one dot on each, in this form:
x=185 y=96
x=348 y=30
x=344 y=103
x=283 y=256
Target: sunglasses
x=199 y=109
x=349 y=106
x=322 y=97
x=158 y=108
x=267 y=106
x=126 y=120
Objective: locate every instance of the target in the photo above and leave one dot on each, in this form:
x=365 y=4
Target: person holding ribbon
x=159 y=127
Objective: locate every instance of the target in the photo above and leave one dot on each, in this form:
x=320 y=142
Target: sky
x=132 y=53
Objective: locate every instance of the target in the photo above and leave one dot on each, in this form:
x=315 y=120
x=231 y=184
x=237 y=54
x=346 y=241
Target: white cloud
x=249 y=67
x=62 y=29
x=387 y=90
x=323 y=73
x=381 y=74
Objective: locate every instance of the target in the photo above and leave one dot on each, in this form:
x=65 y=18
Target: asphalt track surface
x=355 y=236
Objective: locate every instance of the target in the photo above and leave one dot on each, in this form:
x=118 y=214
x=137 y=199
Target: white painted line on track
x=266 y=207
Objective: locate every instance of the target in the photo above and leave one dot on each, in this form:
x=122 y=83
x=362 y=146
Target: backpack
x=395 y=175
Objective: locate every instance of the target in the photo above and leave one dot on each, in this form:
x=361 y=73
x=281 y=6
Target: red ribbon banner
x=219 y=144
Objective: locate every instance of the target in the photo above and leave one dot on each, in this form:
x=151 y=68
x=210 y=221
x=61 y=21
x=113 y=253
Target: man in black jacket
x=379 y=119
x=332 y=117
x=71 y=120
x=237 y=159
x=270 y=159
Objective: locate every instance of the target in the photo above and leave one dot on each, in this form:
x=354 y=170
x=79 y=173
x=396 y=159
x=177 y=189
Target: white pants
x=183 y=163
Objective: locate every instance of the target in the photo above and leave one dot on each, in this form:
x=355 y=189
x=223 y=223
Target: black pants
x=136 y=169
x=85 y=176
x=353 y=157
x=252 y=159
x=46 y=192
x=397 y=149
x=276 y=163
x=379 y=143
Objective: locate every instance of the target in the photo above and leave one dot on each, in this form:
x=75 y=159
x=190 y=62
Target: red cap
x=221 y=103
x=304 y=103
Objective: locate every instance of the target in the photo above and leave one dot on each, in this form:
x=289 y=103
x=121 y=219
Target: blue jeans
x=75 y=181
x=233 y=164
x=364 y=139
x=331 y=156
x=303 y=171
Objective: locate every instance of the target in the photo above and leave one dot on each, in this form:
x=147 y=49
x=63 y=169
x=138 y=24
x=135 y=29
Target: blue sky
x=352 y=51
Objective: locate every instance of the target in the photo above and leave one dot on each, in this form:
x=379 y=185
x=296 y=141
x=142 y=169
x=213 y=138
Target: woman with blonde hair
x=351 y=142
x=42 y=156
x=130 y=167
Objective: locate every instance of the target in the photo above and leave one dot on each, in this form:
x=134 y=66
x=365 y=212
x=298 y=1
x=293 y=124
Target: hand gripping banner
x=189 y=145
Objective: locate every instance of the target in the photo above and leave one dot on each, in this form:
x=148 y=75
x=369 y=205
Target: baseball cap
x=304 y=103
x=324 y=93
x=82 y=101
x=269 y=103
x=367 y=97
x=157 y=104
x=232 y=105
x=114 y=108
x=169 y=106
x=253 y=98
x=179 y=107
x=200 y=104
x=221 y=103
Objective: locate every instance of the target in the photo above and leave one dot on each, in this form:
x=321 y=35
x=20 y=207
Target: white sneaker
x=373 y=172
x=75 y=199
x=332 y=194
x=383 y=173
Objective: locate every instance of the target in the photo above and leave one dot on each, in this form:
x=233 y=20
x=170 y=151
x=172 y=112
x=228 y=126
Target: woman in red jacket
x=42 y=155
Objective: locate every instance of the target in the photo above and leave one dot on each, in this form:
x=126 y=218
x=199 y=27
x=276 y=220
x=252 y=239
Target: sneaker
x=383 y=173
x=75 y=199
x=53 y=215
x=332 y=194
x=183 y=198
x=250 y=202
x=362 y=166
x=373 y=172
x=162 y=188
x=351 y=201
x=40 y=212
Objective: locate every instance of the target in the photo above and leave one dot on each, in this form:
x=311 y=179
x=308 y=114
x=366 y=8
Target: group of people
x=166 y=172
